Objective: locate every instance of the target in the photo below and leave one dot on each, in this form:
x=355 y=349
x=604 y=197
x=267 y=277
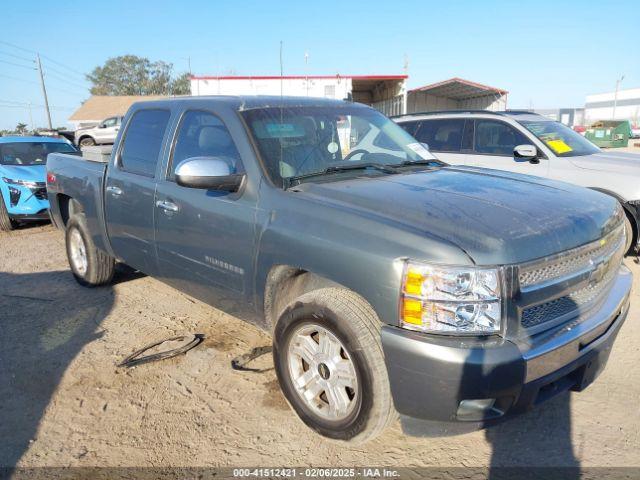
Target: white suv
x=525 y=142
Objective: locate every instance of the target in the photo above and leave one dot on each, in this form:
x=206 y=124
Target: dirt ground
x=63 y=401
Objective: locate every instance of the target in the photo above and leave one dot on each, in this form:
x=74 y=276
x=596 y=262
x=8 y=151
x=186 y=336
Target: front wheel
x=330 y=365
x=90 y=267
x=628 y=230
x=6 y=224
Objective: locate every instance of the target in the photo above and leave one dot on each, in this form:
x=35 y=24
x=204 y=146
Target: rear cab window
x=143 y=141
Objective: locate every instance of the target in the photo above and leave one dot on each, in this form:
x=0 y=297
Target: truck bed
x=80 y=179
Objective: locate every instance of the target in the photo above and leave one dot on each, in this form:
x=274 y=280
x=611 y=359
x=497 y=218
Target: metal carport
x=456 y=94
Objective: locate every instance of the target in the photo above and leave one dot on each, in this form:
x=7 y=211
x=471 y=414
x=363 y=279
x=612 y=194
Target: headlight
x=451 y=300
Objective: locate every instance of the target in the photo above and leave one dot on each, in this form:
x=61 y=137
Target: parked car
x=528 y=143
x=103 y=133
x=389 y=281
x=22 y=178
x=635 y=131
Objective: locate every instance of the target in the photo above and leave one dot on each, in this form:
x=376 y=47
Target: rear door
x=130 y=188
x=205 y=238
x=446 y=137
x=493 y=144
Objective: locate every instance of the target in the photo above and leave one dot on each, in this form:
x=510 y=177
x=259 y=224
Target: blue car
x=23 y=193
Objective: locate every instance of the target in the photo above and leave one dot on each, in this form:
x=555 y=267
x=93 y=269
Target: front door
x=130 y=189
x=205 y=238
x=493 y=146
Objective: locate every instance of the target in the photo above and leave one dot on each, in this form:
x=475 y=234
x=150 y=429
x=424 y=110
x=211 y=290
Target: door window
x=202 y=134
x=143 y=142
x=110 y=122
x=497 y=138
x=440 y=135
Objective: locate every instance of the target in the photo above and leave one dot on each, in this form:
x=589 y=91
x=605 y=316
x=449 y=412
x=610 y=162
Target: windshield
x=31 y=153
x=562 y=141
x=302 y=141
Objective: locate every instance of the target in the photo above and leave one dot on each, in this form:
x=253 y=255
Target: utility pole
x=615 y=96
x=44 y=92
x=31 y=118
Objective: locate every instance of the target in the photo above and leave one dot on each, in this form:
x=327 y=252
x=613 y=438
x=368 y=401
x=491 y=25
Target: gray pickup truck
x=390 y=281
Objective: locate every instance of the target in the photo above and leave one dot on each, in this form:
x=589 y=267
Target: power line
x=56 y=88
x=16 y=56
x=49 y=68
x=16 y=46
x=49 y=73
x=63 y=66
x=18 y=79
x=18 y=65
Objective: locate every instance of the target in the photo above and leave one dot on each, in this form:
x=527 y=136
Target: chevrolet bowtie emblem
x=598 y=272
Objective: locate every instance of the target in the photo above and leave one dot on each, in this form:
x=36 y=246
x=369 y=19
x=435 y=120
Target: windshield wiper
x=423 y=161
x=289 y=181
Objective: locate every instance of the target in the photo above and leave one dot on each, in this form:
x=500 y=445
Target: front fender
x=359 y=253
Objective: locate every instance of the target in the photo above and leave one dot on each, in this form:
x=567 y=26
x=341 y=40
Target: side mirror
x=526 y=152
x=102 y=125
x=211 y=173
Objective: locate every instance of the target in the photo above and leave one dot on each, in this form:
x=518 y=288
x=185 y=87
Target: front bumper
x=26 y=204
x=431 y=375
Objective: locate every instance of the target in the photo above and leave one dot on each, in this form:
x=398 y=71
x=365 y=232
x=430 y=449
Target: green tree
x=21 y=128
x=133 y=75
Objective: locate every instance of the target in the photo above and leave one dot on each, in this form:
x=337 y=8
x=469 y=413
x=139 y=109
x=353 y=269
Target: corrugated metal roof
x=459 y=88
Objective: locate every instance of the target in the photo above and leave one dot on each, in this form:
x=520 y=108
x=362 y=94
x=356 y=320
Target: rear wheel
x=330 y=365
x=6 y=224
x=90 y=266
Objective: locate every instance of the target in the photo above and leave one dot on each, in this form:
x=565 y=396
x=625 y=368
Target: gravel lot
x=63 y=401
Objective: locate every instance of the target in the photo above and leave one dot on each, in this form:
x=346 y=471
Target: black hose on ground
x=135 y=359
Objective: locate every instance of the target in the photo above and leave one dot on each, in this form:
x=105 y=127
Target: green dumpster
x=609 y=133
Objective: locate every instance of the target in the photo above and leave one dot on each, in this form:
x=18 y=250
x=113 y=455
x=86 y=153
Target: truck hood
x=28 y=173
x=619 y=162
x=495 y=217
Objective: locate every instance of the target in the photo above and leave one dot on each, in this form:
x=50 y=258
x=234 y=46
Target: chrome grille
x=601 y=259
x=568 y=304
x=570 y=262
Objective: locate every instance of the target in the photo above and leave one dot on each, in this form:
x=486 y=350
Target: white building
x=601 y=106
x=386 y=93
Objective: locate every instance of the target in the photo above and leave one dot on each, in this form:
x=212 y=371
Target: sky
x=546 y=53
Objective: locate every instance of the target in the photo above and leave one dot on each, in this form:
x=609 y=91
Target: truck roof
x=29 y=139
x=246 y=102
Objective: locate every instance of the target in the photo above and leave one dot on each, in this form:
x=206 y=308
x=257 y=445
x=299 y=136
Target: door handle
x=115 y=191
x=167 y=206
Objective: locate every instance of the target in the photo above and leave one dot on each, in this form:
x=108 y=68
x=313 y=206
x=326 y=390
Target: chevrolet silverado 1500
x=390 y=281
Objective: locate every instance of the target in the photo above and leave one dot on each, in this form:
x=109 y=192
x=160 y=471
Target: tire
x=335 y=314
x=90 y=266
x=630 y=234
x=6 y=224
x=87 y=142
